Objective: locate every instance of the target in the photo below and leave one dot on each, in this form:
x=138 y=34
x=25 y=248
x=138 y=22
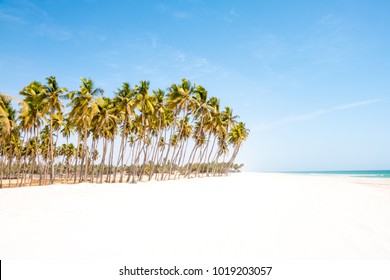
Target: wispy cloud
x=175 y=13
x=357 y=104
x=34 y=18
x=312 y=115
x=11 y=18
x=180 y=14
x=229 y=16
x=59 y=34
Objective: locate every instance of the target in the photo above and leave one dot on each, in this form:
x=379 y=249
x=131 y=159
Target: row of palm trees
x=161 y=135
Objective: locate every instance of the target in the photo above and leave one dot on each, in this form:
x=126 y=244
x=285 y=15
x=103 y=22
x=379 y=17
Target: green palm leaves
x=136 y=135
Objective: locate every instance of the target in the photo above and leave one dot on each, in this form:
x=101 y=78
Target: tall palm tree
x=181 y=101
x=159 y=120
x=210 y=124
x=9 y=134
x=44 y=149
x=158 y=128
x=83 y=109
x=67 y=129
x=54 y=106
x=125 y=105
x=145 y=106
x=238 y=134
x=200 y=116
x=32 y=116
x=102 y=123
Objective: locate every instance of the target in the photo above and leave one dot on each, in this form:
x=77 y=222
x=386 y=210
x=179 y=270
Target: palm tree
x=5 y=129
x=83 y=109
x=53 y=104
x=158 y=128
x=159 y=120
x=210 y=124
x=70 y=152
x=180 y=100
x=44 y=148
x=238 y=134
x=200 y=116
x=103 y=122
x=224 y=122
x=145 y=106
x=4 y=121
x=125 y=104
x=9 y=134
x=67 y=129
x=32 y=116
x=185 y=134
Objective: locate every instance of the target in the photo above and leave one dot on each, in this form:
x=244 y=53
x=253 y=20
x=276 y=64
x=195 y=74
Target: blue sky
x=310 y=79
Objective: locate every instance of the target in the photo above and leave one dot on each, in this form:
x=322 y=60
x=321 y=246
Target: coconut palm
x=9 y=135
x=53 y=105
x=159 y=120
x=5 y=130
x=32 y=116
x=238 y=134
x=157 y=129
x=103 y=123
x=83 y=109
x=125 y=105
x=144 y=104
x=180 y=100
x=226 y=120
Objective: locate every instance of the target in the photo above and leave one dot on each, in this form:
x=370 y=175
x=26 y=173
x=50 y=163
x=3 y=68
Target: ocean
x=349 y=173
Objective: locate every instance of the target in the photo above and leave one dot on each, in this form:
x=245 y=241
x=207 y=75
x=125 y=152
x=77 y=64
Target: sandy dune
x=243 y=216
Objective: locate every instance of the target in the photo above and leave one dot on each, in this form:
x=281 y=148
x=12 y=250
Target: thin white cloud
x=312 y=115
x=229 y=16
x=173 y=12
x=11 y=18
x=53 y=32
x=180 y=56
x=357 y=104
x=292 y=119
x=180 y=14
x=27 y=15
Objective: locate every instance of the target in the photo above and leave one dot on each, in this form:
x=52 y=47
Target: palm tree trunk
x=9 y=169
x=1 y=166
x=166 y=155
x=231 y=161
x=86 y=157
x=161 y=157
x=76 y=158
x=51 y=149
x=131 y=156
x=136 y=160
x=121 y=152
x=22 y=180
x=110 y=161
x=211 y=152
x=122 y=160
x=202 y=154
x=172 y=161
x=37 y=155
x=94 y=146
x=176 y=160
x=155 y=150
x=190 y=160
x=32 y=169
x=101 y=168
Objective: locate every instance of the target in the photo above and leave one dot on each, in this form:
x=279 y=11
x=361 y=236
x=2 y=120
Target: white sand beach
x=242 y=216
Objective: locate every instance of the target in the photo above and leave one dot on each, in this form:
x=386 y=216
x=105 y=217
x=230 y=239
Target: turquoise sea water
x=349 y=173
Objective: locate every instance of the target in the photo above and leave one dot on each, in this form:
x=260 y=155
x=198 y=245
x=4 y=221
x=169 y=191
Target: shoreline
x=236 y=217
x=374 y=181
